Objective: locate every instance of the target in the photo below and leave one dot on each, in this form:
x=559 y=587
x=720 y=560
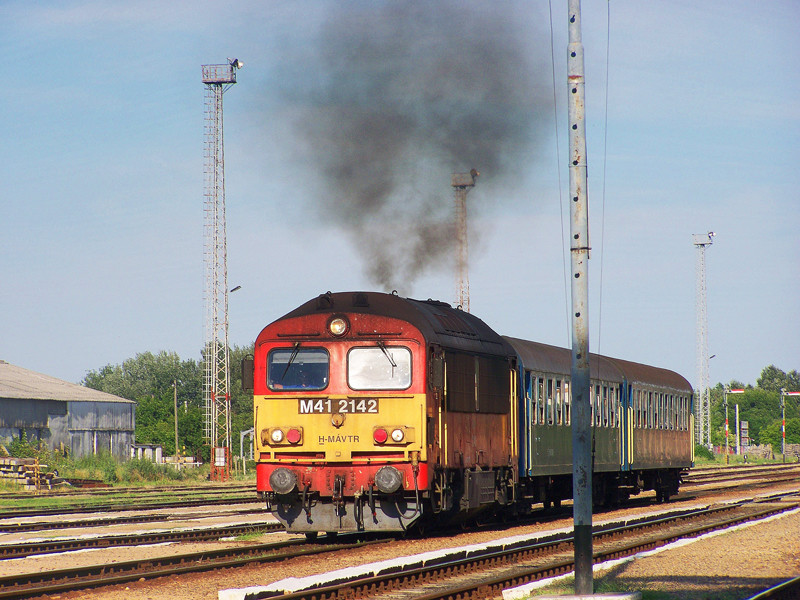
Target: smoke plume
x=400 y=95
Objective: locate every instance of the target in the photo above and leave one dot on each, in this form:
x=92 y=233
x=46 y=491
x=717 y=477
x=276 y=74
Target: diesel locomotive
x=377 y=412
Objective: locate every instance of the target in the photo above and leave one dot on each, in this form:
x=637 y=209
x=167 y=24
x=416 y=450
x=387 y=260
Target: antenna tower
x=462 y=183
x=703 y=405
x=216 y=393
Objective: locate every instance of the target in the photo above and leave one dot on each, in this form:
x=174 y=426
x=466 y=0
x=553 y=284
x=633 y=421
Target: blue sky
x=102 y=170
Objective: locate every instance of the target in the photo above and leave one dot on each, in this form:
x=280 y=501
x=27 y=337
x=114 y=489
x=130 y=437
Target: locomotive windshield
x=379 y=368
x=298 y=368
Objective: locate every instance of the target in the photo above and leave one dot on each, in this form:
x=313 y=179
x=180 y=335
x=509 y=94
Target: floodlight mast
x=703 y=410
x=462 y=183
x=216 y=392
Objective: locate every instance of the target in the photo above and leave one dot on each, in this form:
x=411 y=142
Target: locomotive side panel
x=478 y=399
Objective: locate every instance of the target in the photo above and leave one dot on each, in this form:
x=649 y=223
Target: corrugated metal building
x=64 y=414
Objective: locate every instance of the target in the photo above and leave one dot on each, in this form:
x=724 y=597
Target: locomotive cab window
x=298 y=368
x=379 y=368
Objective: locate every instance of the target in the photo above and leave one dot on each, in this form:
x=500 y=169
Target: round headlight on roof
x=338 y=326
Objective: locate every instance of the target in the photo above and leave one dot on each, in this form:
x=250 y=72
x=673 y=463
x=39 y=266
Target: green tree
x=149 y=374
x=773 y=379
x=148 y=379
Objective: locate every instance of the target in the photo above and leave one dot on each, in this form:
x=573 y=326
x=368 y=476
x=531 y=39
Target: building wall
x=86 y=428
x=96 y=427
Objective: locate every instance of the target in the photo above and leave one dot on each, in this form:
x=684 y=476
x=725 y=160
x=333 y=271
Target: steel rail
x=121 y=520
x=788 y=590
x=52 y=582
x=117 y=507
x=132 y=539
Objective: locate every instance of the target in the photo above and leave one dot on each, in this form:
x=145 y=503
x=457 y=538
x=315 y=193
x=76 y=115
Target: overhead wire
x=558 y=175
x=605 y=163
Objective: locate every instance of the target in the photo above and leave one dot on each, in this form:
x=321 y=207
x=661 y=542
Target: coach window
x=612 y=415
x=567 y=403
x=682 y=403
x=540 y=399
x=673 y=413
x=642 y=409
x=559 y=415
x=605 y=406
x=297 y=368
x=648 y=399
x=598 y=409
x=529 y=396
x=379 y=368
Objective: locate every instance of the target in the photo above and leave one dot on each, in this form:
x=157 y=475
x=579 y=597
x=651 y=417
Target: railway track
x=65 y=580
x=477 y=573
x=740 y=472
x=130 y=539
x=484 y=574
x=134 y=505
x=20 y=527
x=102 y=575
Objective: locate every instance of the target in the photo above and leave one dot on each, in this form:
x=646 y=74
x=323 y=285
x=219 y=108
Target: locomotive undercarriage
x=306 y=511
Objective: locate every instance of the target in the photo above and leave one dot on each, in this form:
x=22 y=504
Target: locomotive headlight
x=388 y=479
x=276 y=436
x=398 y=435
x=338 y=326
x=283 y=480
x=293 y=436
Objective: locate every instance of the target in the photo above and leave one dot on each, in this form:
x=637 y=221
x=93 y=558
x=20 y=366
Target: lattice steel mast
x=703 y=394
x=216 y=394
x=462 y=183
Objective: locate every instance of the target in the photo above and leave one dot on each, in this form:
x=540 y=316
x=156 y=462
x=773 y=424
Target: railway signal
x=725 y=401
x=783 y=420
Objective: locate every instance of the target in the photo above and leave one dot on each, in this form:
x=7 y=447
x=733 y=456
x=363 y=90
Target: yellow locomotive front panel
x=340 y=409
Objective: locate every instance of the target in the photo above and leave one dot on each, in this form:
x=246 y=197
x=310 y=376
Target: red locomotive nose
x=380 y=436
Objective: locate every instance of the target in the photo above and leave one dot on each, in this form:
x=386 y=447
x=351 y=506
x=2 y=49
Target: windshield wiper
x=291 y=359
x=382 y=346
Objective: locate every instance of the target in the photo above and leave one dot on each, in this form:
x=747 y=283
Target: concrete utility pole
x=216 y=394
x=703 y=410
x=579 y=254
x=462 y=183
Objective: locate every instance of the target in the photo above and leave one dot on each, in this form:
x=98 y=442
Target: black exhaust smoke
x=401 y=94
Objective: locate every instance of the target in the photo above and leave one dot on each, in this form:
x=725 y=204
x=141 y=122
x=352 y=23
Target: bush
x=703 y=452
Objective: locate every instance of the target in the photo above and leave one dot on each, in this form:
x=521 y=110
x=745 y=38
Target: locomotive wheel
x=311 y=535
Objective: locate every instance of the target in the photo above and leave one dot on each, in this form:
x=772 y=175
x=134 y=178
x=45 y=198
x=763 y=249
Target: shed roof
x=23 y=384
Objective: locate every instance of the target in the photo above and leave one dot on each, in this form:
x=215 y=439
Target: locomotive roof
x=553 y=359
x=439 y=322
